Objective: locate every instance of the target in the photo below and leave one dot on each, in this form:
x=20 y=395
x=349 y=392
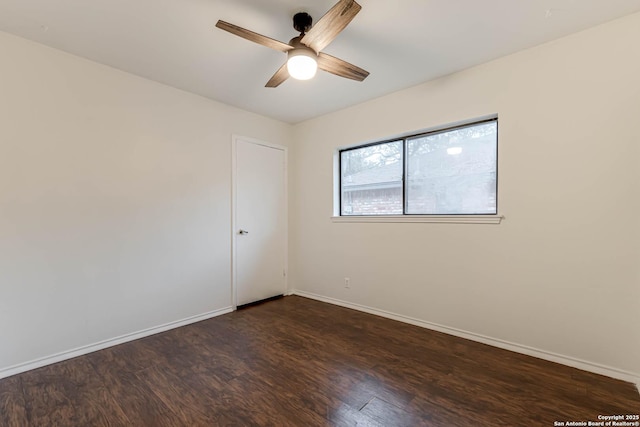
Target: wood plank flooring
x=299 y=362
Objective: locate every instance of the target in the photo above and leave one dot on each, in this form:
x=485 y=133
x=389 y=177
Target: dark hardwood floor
x=298 y=362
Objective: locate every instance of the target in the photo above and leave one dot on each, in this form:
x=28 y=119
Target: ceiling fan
x=304 y=52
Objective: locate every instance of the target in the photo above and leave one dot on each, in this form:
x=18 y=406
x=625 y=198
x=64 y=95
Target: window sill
x=443 y=219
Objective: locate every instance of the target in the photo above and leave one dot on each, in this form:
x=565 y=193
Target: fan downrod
x=302 y=22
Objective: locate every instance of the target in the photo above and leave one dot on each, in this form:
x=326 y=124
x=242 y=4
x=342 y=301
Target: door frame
x=234 y=199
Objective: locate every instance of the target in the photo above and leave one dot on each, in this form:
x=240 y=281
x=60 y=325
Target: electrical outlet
x=346 y=282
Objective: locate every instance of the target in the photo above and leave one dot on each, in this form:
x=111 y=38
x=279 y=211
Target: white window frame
x=410 y=218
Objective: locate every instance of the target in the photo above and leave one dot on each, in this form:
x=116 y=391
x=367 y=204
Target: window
x=444 y=172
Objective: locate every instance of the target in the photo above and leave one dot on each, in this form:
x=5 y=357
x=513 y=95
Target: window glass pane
x=453 y=172
x=371 y=180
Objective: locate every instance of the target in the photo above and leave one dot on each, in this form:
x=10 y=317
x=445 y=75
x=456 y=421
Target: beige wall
x=114 y=201
x=560 y=274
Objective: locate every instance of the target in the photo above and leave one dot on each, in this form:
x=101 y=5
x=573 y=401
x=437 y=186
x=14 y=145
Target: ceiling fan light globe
x=302 y=65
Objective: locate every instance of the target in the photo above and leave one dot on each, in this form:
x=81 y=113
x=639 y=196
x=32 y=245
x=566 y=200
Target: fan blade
x=280 y=76
x=341 y=68
x=254 y=37
x=331 y=24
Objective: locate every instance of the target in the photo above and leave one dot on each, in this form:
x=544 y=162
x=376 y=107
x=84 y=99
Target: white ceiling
x=401 y=43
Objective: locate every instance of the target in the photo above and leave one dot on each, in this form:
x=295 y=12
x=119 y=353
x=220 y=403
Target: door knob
x=243 y=232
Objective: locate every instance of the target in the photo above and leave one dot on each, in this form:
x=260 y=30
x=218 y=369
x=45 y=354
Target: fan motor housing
x=300 y=49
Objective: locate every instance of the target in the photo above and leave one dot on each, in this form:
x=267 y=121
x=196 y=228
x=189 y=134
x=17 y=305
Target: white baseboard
x=518 y=348
x=69 y=354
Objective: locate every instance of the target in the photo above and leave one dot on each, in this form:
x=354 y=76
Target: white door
x=260 y=232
